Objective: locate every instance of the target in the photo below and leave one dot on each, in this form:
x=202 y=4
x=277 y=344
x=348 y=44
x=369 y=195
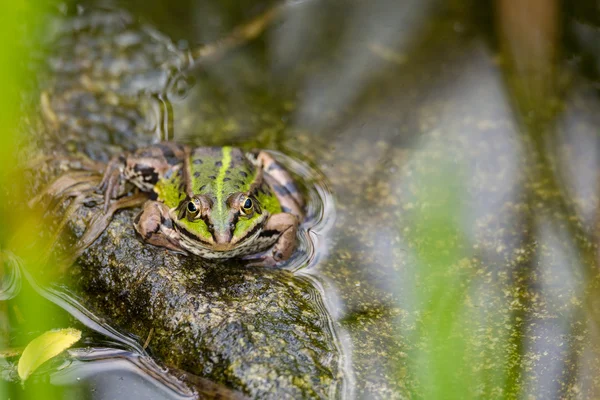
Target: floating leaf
x=44 y=347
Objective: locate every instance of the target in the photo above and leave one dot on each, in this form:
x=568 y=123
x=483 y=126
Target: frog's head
x=205 y=222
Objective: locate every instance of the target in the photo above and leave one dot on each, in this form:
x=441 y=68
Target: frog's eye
x=192 y=208
x=248 y=206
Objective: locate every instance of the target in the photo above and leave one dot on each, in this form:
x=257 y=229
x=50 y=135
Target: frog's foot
x=72 y=184
x=281 y=182
x=77 y=162
x=83 y=163
x=100 y=221
x=112 y=180
x=156 y=227
x=286 y=225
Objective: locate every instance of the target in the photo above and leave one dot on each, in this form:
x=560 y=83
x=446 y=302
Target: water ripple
x=10 y=284
x=320 y=214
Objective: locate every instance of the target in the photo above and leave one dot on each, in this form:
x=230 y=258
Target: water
x=450 y=246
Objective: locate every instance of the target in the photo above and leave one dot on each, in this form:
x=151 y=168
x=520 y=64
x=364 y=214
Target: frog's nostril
x=232 y=226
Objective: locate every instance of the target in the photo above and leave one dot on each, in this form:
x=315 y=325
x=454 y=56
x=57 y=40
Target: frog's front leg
x=112 y=179
x=285 y=225
x=143 y=169
x=156 y=227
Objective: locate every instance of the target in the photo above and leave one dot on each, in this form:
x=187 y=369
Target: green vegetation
x=27 y=313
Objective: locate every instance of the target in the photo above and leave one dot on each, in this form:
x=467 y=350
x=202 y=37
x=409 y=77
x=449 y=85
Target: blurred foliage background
x=22 y=317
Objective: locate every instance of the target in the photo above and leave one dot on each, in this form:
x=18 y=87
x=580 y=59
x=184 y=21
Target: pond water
x=451 y=170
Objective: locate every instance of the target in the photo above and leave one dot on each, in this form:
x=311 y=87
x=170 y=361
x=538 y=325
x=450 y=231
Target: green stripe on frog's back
x=219 y=172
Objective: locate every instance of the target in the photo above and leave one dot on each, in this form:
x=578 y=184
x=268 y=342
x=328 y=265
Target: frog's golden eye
x=248 y=206
x=192 y=208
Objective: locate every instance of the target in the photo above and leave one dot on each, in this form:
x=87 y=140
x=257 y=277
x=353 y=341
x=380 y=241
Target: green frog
x=214 y=202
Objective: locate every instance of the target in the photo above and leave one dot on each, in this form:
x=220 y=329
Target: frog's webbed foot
x=78 y=162
x=112 y=179
x=281 y=182
x=286 y=225
x=156 y=227
x=100 y=221
x=72 y=184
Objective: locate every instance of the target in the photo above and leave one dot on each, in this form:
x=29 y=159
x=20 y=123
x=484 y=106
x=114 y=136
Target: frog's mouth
x=219 y=242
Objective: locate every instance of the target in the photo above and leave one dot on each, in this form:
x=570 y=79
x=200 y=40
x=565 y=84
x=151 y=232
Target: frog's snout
x=222 y=236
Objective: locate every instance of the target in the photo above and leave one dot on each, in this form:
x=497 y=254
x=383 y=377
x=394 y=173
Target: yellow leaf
x=44 y=347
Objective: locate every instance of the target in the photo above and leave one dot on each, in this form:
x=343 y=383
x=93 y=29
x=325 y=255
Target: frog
x=211 y=202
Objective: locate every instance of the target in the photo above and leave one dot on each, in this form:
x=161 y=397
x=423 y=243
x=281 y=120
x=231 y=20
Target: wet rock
x=262 y=331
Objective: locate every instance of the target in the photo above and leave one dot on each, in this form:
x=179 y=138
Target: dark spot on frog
x=244 y=174
x=218 y=163
x=154 y=229
x=202 y=188
x=149 y=173
x=228 y=171
x=166 y=150
x=284 y=190
x=168 y=223
x=226 y=179
x=212 y=177
x=263 y=189
x=197 y=161
x=269 y=233
x=291 y=187
x=169 y=154
x=197 y=174
x=236 y=187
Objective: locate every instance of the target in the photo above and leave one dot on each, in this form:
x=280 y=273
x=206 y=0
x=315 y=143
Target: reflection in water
x=10 y=273
x=559 y=288
x=320 y=215
x=371 y=24
x=70 y=304
x=162 y=118
x=99 y=370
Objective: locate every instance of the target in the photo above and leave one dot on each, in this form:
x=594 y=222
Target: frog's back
x=216 y=172
x=220 y=171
